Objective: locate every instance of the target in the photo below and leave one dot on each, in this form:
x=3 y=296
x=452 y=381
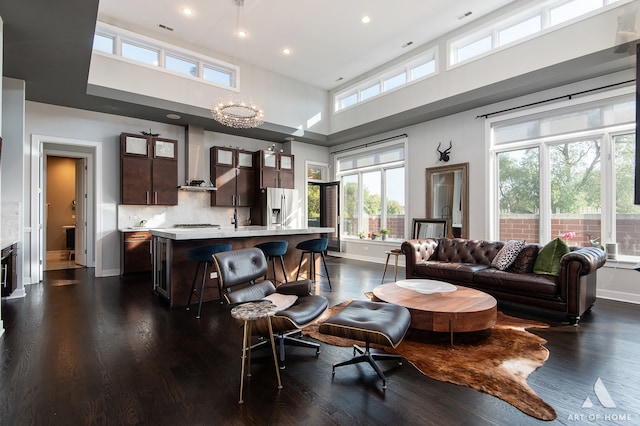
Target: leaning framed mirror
x=448 y=197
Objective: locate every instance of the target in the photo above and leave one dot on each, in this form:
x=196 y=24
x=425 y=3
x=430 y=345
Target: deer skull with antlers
x=444 y=155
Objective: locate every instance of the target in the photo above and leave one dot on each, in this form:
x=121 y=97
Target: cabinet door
x=244 y=159
x=137 y=252
x=136 y=180
x=164 y=148
x=269 y=160
x=134 y=145
x=246 y=187
x=165 y=182
x=286 y=162
x=223 y=156
x=225 y=177
x=286 y=179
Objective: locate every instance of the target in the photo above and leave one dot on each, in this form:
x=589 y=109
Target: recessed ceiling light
x=242 y=34
x=365 y=19
x=286 y=51
x=187 y=11
x=173 y=116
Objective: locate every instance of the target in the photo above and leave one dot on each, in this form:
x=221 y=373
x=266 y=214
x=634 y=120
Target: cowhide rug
x=496 y=361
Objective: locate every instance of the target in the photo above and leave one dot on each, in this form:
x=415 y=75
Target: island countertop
x=174 y=270
x=181 y=234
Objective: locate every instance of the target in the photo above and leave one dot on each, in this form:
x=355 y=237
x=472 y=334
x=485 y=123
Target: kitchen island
x=173 y=271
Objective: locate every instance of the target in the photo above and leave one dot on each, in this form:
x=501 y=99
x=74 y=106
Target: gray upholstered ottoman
x=371 y=322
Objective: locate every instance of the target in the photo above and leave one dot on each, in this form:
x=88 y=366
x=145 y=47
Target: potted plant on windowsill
x=361 y=235
x=374 y=235
x=384 y=233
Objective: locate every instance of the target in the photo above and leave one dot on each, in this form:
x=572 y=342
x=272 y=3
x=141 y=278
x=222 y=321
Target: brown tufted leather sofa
x=468 y=263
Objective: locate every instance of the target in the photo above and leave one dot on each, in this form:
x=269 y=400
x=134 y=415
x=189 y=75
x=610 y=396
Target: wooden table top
x=465 y=309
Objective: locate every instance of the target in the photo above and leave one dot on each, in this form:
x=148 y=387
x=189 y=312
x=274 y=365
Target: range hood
x=196 y=172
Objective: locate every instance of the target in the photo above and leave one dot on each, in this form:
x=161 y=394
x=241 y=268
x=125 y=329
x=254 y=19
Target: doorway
x=324 y=209
x=65 y=212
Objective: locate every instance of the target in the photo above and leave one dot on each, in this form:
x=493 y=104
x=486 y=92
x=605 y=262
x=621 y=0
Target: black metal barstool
x=311 y=247
x=204 y=256
x=271 y=250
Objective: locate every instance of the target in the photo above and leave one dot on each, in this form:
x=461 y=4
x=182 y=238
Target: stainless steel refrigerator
x=280 y=207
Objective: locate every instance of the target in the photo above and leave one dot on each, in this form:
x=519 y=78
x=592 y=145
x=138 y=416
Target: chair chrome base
x=367 y=356
x=287 y=339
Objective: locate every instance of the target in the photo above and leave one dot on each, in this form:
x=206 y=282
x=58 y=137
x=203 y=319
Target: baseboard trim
x=618 y=296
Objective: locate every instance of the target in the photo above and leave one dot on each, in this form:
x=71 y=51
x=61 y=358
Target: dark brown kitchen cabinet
x=276 y=170
x=136 y=252
x=234 y=174
x=149 y=173
x=9 y=269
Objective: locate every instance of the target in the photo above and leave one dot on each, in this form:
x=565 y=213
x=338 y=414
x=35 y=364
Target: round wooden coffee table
x=464 y=309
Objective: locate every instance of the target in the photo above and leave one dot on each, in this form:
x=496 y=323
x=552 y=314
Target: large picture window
x=373 y=191
x=574 y=174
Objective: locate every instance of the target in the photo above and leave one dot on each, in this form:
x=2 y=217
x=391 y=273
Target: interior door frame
x=83 y=203
x=35 y=253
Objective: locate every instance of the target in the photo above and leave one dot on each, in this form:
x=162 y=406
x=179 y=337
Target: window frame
x=359 y=171
x=607 y=136
x=512 y=19
x=430 y=55
x=120 y=36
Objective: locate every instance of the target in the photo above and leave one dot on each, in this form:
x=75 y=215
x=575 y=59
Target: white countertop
x=242 y=231
x=7 y=243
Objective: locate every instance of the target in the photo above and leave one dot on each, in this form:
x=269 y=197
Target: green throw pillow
x=548 y=261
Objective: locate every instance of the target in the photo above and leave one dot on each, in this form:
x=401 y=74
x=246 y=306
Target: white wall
x=13 y=121
x=497 y=71
x=286 y=102
x=467 y=132
x=67 y=123
x=104 y=129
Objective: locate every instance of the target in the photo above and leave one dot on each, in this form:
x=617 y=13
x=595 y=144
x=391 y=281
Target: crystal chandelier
x=236 y=110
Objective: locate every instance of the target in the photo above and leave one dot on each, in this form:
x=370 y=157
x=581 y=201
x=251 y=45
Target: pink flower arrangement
x=568 y=235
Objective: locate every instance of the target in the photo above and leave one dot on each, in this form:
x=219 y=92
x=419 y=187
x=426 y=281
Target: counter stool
x=311 y=247
x=204 y=256
x=396 y=253
x=370 y=322
x=271 y=250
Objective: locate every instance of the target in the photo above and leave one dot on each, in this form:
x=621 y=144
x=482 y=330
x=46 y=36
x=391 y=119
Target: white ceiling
x=326 y=37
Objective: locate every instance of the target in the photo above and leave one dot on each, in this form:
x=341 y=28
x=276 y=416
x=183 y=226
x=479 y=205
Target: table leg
x=385 y=269
x=244 y=354
x=395 y=277
x=273 y=349
x=451 y=331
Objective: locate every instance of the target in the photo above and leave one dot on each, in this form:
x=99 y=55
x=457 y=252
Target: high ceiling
x=48 y=45
x=327 y=39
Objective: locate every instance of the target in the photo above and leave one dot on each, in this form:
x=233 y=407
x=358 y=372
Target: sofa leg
x=574 y=320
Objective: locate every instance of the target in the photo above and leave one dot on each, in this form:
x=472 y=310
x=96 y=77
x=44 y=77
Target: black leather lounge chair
x=238 y=271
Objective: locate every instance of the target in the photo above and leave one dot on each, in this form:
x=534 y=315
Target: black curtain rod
x=569 y=96
x=368 y=144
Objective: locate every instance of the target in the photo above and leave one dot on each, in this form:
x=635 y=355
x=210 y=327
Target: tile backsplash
x=193 y=207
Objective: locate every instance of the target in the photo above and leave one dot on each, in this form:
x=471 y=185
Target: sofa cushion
x=507 y=254
x=448 y=271
x=466 y=251
x=532 y=284
x=526 y=259
x=548 y=261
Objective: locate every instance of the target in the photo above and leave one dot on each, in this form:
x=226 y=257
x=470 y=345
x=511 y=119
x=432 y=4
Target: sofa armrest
x=577 y=280
x=299 y=288
x=417 y=251
x=589 y=258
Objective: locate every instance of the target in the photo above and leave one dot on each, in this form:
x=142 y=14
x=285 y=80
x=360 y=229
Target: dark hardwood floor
x=79 y=350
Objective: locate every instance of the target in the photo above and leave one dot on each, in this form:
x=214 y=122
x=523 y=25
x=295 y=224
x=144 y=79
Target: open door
x=81 y=212
x=327 y=196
